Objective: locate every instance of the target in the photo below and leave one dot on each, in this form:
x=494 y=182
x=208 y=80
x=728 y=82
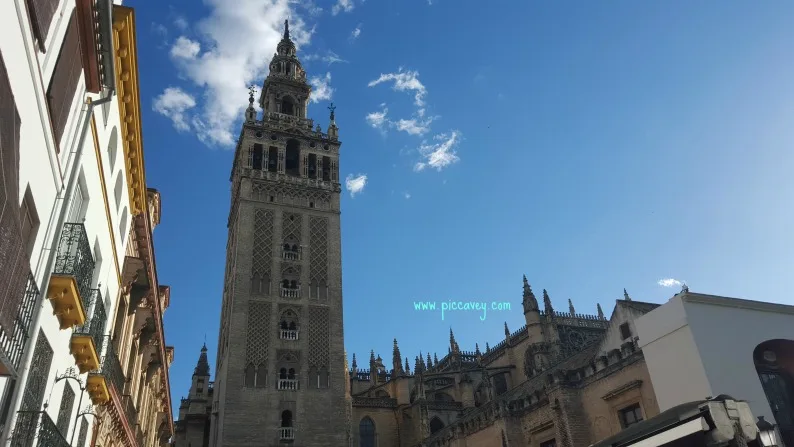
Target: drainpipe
x=88 y=112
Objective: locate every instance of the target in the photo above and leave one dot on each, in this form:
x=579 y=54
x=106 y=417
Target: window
x=41 y=14
x=292 y=158
x=63 y=84
x=500 y=384
x=435 y=425
x=123 y=225
x=65 y=411
x=113 y=144
x=625 y=331
x=549 y=443
x=630 y=415
x=83 y=432
x=366 y=433
x=118 y=190
x=30 y=222
x=78 y=205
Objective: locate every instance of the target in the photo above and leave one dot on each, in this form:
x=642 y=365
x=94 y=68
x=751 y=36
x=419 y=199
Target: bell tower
x=280 y=374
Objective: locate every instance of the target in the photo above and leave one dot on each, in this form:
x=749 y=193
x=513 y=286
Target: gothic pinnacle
x=570 y=307
x=286 y=29
x=530 y=302
x=507 y=331
x=477 y=348
x=451 y=339
x=429 y=361
x=372 y=356
x=487 y=347
x=547 y=304
x=435 y=359
x=600 y=312
x=407 y=367
x=355 y=366
x=417 y=366
x=396 y=357
x=626 y=295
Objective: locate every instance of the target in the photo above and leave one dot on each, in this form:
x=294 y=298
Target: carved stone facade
x=281 y=362
x=564 y=379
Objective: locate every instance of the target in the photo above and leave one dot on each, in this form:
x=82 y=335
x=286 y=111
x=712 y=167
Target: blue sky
x=589 y=145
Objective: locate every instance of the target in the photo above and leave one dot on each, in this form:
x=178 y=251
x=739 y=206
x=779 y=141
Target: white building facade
x=698 y=345
x=66 y=217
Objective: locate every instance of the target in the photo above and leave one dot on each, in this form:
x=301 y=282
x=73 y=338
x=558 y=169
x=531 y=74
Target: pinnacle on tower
x=477 y=348
x=407 y=367
x=286 y=30
x=396 y=358
x=417 y=366
x=487 y=347
x=202 y=366
x=435 y=359
x=570 y=307
x=530 y=303
x=355 y=366
x=600 y=312
x=626 y=295
x=547 y=304
x=429 y=361
x=451 y=339
x=422 y=362
x=507 y=331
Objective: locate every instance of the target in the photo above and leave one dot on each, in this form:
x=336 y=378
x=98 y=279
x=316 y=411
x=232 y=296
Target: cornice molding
x=128 y=91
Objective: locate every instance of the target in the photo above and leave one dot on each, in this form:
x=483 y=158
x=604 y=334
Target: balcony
x=286 y=433
x=129 y=410
x=70 y=284
x=13 y=344
x=108 y=376
x=291 y=255
x=287 y=334
x=36 y=428
x=290 y=293
x=86 y=342
x=288 y=384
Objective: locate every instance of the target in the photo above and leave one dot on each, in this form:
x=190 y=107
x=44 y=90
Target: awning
x=688 y=428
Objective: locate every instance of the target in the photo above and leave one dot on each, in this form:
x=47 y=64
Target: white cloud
x=237 y=47
x=404 y=81
x=407 y=195
x=378 y=119
x=413 y=126
x=342 y=5
x=670 y=282
x=181 y=23
x=356 y=32
x=355 y=184
x=439 y=154
x=321 y=88
x=330 y=58
x=184 y=48
x=174 y=103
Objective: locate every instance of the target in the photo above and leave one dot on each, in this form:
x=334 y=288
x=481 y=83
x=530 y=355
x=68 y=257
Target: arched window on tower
x=312 y=166
x=288 y=106
x=289 y=325
x=292 y=158
x=272 y=159
x=366 y=433
x=435 y=425
x=286 y=431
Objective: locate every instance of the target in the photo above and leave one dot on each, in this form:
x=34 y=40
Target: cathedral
x=282 y=378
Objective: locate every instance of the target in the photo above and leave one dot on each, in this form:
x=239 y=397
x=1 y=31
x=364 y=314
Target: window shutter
x=41 y=14
x=63 y=84
x=14 y=264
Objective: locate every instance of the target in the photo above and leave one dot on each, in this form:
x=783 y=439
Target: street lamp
x=767 y=433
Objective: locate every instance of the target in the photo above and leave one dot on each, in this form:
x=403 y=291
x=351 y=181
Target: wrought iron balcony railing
x=129 y=410
x=35 y=428
x=87 y=338
x=288 y=334
x=286 y=433
x=12 y=345
x=74 y=258
x=108 y=377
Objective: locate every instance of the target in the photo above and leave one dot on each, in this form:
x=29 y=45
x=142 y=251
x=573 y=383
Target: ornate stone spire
x=600 y=312
x=355 y=366
x=570 y=307
x=487 y=347
x=250 y=112
x=417 y=366
x=286 y=30
x=202 y=366
x=547 y=304
x=477 y=349
x=422 y=362
x=396 y=359
x=407 y=367
x=435 y=359
x=452 y=342
x=507 y=331
x=333 y=130
x=429 y=361
x=530 y=303
x=626 y=295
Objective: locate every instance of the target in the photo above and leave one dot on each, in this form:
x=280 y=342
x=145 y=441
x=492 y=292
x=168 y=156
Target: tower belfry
x=280 y=373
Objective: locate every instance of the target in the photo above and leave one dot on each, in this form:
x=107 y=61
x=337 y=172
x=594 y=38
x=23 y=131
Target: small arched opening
x=366 y=432
x=288 y=106
x=292 y=158
x=774 y=363
x=435 y=425
x=286 y=431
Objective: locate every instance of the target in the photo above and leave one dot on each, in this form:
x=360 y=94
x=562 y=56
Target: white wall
x=697 y=346
x=47 y=174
